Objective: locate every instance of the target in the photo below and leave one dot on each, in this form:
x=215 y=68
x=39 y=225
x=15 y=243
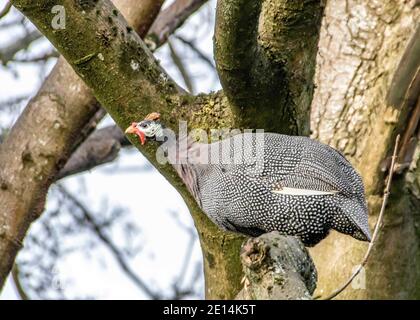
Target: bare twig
x=171 y=19
x=6 y=9
x=9 y=52
x=12 y=102
x=40 y=58
x=193 y=47
x=377 y=226
x=412 y=100
x=12 y=22
x=19 y=288
x=181 y=68
x=89 y=217
x=187 y=258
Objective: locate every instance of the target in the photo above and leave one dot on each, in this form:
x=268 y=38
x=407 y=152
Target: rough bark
x=115 y=69
x=365 y=95
x=26 y=171
x=54 y=119
x=220 y=248
x=277 y=267
x=98 y=148
x=265 y=68
x=132 y=67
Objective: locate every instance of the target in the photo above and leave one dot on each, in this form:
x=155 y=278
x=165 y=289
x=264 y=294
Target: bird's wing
x=302 y=186
x=320 y=170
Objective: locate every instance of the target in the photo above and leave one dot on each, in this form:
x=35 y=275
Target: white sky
x=147 y=196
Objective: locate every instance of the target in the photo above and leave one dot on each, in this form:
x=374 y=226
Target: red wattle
x=142 y=137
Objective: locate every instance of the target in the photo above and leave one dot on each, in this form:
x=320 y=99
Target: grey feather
x=239 y=197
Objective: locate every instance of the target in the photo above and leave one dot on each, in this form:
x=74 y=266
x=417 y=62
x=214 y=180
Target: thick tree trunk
x=366 y=93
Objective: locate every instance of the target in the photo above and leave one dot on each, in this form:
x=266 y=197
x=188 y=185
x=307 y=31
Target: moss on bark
x=129 y=83
x=265 y=68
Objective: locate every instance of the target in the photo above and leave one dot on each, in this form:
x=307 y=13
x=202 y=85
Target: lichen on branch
x=129 y=83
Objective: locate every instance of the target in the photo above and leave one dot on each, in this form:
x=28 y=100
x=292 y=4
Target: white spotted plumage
x=297 y=186
x=328 y=192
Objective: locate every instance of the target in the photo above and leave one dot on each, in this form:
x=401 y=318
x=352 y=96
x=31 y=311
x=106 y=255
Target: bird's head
x=149 y=128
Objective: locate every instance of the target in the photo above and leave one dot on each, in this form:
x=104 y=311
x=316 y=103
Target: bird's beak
x=133 y=129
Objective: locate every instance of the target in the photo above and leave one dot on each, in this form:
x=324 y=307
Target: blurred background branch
x=5 y=10
x=39 y=274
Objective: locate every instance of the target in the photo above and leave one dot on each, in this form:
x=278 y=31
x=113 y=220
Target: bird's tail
x=356 y=213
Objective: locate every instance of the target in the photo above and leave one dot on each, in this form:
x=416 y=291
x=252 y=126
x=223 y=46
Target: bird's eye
x=143 y=125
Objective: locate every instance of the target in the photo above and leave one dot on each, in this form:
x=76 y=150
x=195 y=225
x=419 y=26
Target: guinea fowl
x=296 y=185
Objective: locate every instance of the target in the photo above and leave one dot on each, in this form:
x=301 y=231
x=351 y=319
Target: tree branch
x=142 y=15
x=18 y=285
x=115 y=65
x=63 y=107
x=193 y=47
x=277 y=267
x=6 y=9
x=171 y=19
x=9 y=52
x=126 y=66
x=42 y=158
x=176 y=59
x=87 y=157
x=102 y=146
x=263 y=63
